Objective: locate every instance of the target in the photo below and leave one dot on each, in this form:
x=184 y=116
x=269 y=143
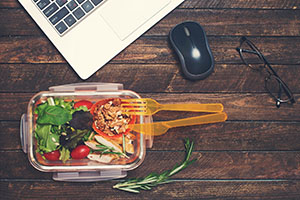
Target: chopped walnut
x=109 y=118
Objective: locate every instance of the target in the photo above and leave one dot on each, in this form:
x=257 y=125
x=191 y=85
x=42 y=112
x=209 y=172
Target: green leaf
x=52 y=141
x=68 y=105
x=75 y=139
x=54 y=115
x=47 y=141
x=83 y=108
x=64 y=154
x=40 y=108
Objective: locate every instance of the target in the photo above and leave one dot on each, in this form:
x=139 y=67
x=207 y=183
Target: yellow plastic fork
x=149 y=107
x=159 y=128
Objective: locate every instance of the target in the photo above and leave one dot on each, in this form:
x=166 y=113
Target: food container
x=82 y=169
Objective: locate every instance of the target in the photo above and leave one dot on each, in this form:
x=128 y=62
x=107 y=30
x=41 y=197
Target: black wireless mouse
x=190 y=44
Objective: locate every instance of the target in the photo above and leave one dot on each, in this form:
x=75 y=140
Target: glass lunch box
x=83 y=169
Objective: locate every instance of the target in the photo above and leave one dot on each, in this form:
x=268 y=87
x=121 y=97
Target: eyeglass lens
x=277 y=88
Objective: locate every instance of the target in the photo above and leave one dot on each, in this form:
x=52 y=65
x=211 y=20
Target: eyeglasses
x=254 y=59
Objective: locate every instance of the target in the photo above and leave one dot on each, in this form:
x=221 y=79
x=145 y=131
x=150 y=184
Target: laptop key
x=43 y=3
x=72 y=5
x=61 y=27
x=80 y=1
x=78 y=13
x=70 y=20
x=50 y=9
x=87 y=6
x=64 y=14
x=59 y=15
x=96 y=2
x=61 y=2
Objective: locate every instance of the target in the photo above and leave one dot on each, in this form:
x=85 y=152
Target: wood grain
x=234 y=22
x=255 y=154
x=151 y=50
x=228 y=136
x=227 y=189
x=209 y=165
x=237 y=106
x=231 y=78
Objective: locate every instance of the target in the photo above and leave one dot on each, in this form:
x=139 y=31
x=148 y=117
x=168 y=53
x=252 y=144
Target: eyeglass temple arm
x=285 y=87
x=259 y=54
x=269 y=66
x=246 y=51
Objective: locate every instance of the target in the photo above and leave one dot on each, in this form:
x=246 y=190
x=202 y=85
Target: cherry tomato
x=81 y=151
x=85 y=103
x=53 y=155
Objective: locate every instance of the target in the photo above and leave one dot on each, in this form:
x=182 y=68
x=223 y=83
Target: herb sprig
x=109 y=150
x=136 y=184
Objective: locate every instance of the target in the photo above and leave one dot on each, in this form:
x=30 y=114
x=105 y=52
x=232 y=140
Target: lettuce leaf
x=47 y=141
x=64 y=155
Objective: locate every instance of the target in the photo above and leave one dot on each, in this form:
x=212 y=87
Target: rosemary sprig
x=134 y=185
x=109 y=150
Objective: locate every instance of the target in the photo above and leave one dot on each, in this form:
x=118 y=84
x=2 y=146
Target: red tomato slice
x=85 y=103
x=81 y=151
x=53 y=155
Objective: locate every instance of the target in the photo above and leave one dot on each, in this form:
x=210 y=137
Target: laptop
x=89 y=33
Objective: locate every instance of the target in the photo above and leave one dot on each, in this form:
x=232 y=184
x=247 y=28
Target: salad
x=68 y=129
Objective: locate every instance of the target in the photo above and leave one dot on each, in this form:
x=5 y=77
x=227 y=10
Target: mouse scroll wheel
x=186 y=30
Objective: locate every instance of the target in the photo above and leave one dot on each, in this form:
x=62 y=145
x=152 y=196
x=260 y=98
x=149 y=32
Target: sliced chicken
x=100 y=158
x=129 y=148
x=112 y=144
x=92 y=144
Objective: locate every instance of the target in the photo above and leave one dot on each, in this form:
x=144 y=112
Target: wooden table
x=255 y=154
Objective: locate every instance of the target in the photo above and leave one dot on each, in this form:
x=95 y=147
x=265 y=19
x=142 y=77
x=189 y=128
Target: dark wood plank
x=147 y=78
x=229 y=136
x=177 y=190
x=253 y=155
x=28 y=49
x=237 y=106
x=233 y=4
x=151 y=50
x=209 y=165
x=234 y=22
x=255 y=4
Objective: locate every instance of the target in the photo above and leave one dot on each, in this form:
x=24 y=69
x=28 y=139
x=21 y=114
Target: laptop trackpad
x=125 y=16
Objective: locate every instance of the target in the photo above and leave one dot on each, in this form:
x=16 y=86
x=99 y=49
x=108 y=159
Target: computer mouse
x=189 y=41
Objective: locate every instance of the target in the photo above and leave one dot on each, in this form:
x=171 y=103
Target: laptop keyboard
x=65 y=14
